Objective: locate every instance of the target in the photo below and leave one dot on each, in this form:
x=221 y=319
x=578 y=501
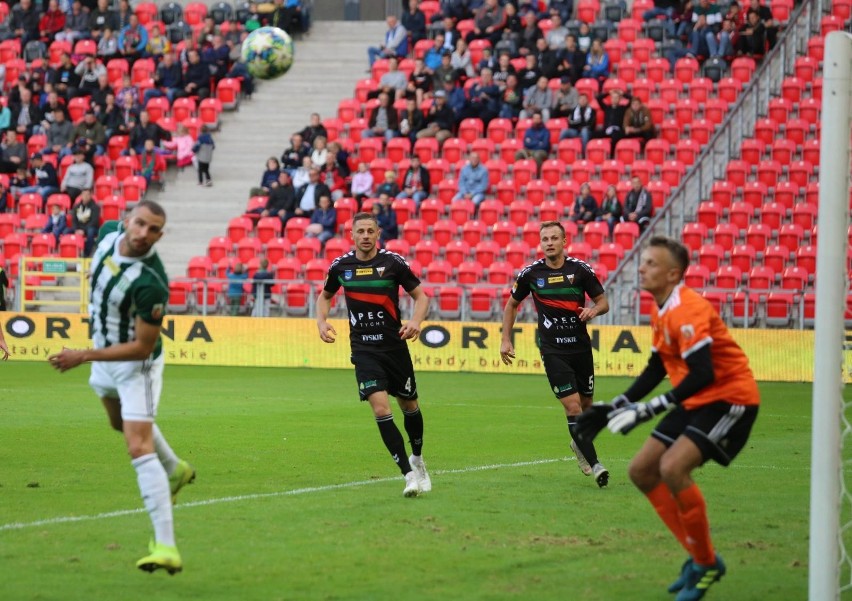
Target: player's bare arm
x=600 y=307
x=410 y=330
x=510 y=313
x=134 y=350
x=327 y=332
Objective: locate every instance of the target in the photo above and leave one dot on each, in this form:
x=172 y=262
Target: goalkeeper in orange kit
x=709 y=412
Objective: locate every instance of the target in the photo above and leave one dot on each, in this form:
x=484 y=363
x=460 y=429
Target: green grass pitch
x=296 y=497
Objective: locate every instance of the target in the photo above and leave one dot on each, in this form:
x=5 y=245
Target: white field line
x=252 y=497
x=312 y=489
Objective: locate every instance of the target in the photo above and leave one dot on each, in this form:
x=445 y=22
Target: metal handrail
x=623 y=282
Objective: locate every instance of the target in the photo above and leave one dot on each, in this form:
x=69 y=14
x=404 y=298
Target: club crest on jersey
x=113 y=268
x=347 y=275
x=687 y=331
x=570 y=278
x=539 y=282
x=158 y=311
x=380 y=270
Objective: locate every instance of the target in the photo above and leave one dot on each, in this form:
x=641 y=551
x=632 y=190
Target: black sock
x=393 y=441
x=414 y=429
x=587 y=447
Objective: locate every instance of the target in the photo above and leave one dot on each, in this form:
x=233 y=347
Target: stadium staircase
x=706 y=116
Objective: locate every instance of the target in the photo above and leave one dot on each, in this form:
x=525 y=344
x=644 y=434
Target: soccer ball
x=268 y=52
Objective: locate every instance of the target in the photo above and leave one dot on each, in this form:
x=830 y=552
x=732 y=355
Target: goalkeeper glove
x=623 y=420
x=592 y=421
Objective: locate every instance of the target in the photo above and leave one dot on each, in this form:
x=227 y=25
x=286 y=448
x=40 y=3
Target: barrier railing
x=681 y=207
x=53 y=283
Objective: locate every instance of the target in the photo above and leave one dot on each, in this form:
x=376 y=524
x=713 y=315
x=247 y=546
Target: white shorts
x=137 y=384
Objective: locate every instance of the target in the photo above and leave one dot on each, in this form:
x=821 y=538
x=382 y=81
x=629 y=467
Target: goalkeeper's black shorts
x=720 y=430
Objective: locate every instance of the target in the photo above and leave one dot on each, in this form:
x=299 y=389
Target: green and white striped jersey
x=123 y=288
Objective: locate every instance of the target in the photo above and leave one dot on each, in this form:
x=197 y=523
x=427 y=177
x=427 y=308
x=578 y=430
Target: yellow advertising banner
x=775 y=355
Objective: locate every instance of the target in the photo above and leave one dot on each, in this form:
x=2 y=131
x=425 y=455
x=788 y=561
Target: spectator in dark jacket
x=144 y=130
x=414 y=22
x=386 y=217
x=87 y=217
x=440 y=120
x=610 y=209
x=614 y=108
x=281 y=201
x=571 y=60
x=57 y=223
x=24 y=22
x=314 y=129
x=411 y=119
x=308 y=195
x=585 y=206
x=25 y=115
x=323 y=221
x=63 y=78
x=638 y=205
x=293 y=157
x=536 y=141
x=383 y=122
x=46 y=181
x=415 y=181
x=638 y=122
x=168 y=79
x=270 y=176
x=216 y=55
x=581 y=122
x=196 y=79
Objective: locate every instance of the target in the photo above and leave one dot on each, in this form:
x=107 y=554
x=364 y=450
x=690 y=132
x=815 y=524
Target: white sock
x=164 y=452
x=154 y=486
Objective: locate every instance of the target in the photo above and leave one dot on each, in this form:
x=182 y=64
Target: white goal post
x=829 y=561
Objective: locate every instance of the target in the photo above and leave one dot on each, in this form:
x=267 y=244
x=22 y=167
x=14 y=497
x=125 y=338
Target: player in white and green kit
x=129 y=294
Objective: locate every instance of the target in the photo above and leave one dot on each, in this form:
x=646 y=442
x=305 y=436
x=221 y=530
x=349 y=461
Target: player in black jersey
x=371 y=279
x=559 y=286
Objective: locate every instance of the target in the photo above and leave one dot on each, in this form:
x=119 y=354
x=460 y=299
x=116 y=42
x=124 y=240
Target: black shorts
x=720 y=430
x=570 y=374
x=390 y=371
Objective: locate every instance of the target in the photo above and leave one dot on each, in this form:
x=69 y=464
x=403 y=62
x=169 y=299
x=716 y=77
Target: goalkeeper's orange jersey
x=687 y=322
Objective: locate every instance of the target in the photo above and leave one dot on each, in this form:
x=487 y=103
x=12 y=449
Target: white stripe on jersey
x=118 y=294
x=110 y=332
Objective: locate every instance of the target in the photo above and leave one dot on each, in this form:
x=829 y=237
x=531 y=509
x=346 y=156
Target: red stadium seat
x=693 y=235
x=772 y=214
x=426 y=251
x=551 y=210
x=295 y=229
x=610 y=255
x=596 y=233
x=439 y=271
x=711 y=256
x=794 y=278
x=443 y=231
x=726 y=235
x=470 y=130
x=791 y=236
x=517 y=253
x=696 y=276
x=248 y=248
x=729 y=89
x=709 y=213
